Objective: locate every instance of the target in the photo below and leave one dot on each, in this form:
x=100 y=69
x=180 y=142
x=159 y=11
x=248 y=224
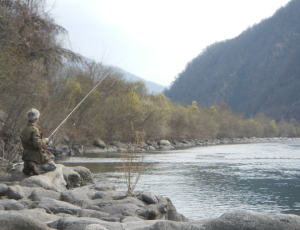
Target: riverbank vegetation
x=36 y=70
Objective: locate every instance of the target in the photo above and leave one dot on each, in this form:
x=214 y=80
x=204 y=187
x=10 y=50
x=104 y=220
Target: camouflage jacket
x=33 y=143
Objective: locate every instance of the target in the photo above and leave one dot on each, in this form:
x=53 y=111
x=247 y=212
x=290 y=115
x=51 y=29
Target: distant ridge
x=152 y=86
x=258 y=71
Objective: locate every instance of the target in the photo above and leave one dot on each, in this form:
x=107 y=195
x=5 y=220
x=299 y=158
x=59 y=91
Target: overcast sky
x=155 y=39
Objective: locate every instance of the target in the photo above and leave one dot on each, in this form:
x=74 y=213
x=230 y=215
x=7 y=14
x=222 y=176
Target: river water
x=204 y=182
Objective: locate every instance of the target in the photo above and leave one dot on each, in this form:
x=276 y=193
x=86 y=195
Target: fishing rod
x=77 y=106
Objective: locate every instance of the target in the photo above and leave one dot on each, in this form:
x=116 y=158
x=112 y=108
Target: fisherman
x=34 y=156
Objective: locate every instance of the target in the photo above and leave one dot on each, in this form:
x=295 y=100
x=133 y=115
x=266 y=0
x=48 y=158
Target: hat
x=33 y=114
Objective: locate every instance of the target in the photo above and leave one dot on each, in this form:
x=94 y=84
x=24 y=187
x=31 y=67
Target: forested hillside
x=36 y=70
x=258 y=71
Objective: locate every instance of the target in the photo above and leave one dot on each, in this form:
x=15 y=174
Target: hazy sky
x=155 y=39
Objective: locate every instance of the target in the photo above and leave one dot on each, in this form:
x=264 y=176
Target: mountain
x=152 y=86
x=257 y=71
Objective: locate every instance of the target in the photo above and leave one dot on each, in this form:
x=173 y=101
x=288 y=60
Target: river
x=207 y=181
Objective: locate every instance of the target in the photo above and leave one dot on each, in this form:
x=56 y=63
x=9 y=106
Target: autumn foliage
x=37 y=71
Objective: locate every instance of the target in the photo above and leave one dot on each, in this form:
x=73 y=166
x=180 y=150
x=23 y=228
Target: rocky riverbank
x=99 y=146
x=67 y=199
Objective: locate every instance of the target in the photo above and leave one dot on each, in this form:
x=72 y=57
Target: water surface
x=208 y=181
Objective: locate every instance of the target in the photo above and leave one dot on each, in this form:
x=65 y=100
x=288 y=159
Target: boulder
x=71 y=177
x=130 y=219
x=172 y=213
x=95 y=227
x=55 y=206
x=3 y=189
x=99 y=143
x=117 y=144
x=80 y=223
x=40 y=193
x=143 y=145
x=4 y=176
x=16 y=173
x=151 y=148
x=53 y=180
x=37 y=213
x=28 y=203
x=252 y=220
x=93 y=214
x=163 y=209
x=11 y=221
x=11 y=205
x=169 y=225
x=150 y=198
x=124 y=207
x=103 y=187
x=18 y=192
x=78 y=196
x=164 y=142
x=85 y=195
x=112 y=149
x=187 y=143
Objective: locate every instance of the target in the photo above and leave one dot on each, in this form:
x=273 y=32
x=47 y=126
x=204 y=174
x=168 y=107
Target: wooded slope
x=258 y=71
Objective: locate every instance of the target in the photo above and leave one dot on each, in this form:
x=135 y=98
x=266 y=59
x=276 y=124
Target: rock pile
x=100 y=147
x=67 y=199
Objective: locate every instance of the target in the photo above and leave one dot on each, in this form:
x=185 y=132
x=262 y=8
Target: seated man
x=34 y=157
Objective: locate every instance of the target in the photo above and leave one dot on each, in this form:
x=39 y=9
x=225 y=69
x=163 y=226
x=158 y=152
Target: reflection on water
x=209 y=181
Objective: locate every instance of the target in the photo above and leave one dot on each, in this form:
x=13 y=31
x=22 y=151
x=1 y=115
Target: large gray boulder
x=124 y=207
x=10 y=205
x=147 y=207
x=172 y=213
x=78 y=196
x=252 y=220
x=18 y=192
x=3 y=189
x=99 y=143
x=93 y=213
x=16 y=221
x=38 y=194
x=164 y=142
x=150 y=198
x=37 y=213
x=80 y=223
x=16 y=173
x=163 y=209
x=95 y=227
x=71 y=177
x=85 y=175
x=170 y=225
x=51 y=180
x=56 y=206
x=117 y=144
x=85 y=195
x=60 y=180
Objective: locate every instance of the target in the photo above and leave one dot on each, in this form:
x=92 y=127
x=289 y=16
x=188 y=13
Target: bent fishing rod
x=58 y=127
